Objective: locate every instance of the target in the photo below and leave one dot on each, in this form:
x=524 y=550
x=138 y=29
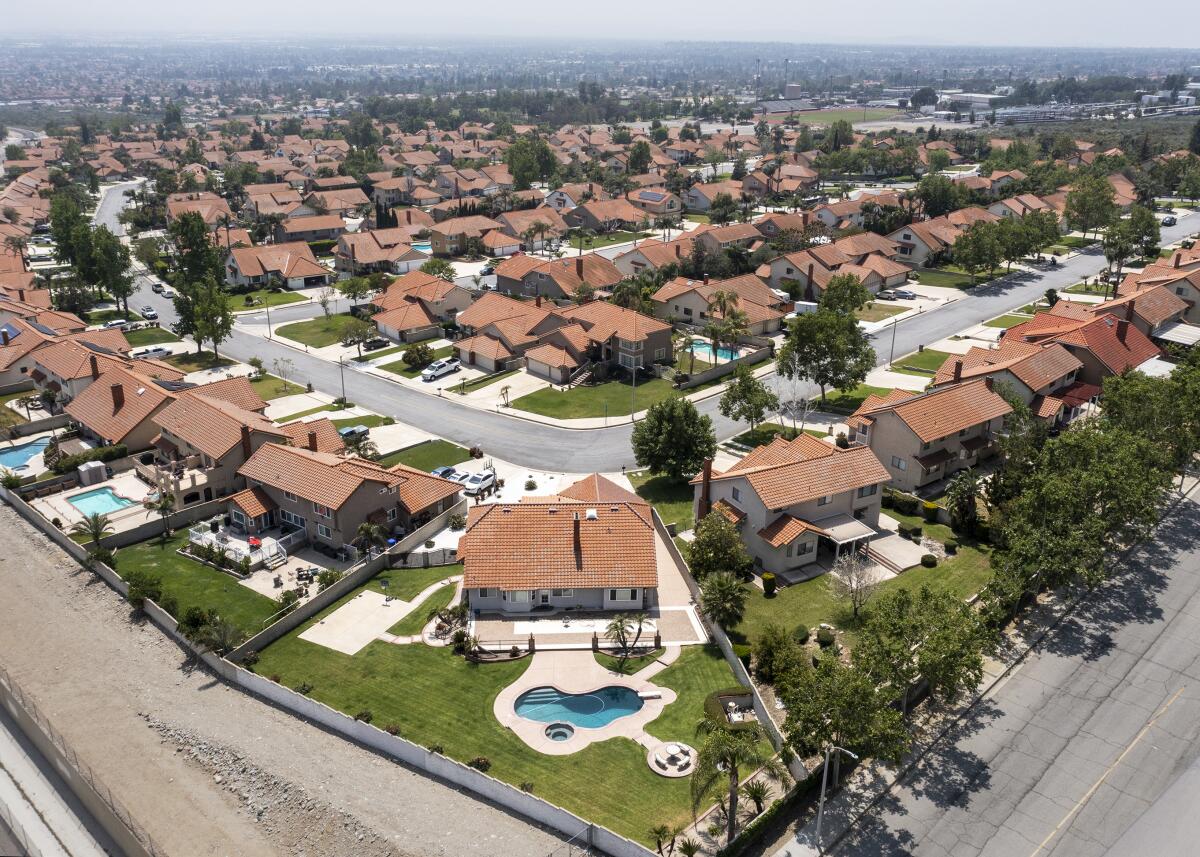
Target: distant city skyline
x=1018 y=23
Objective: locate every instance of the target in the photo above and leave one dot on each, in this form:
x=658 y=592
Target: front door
x=543 y=596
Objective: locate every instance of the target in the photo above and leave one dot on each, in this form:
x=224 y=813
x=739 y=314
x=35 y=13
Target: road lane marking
x=1096 y=785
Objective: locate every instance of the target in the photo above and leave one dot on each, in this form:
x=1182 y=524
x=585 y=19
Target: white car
x=439 y=368
x=168 y=292
x=116 y=322
x=154 y=352
x=479 y=482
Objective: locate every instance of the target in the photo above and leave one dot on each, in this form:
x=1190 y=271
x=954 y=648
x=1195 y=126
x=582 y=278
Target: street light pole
x=342 y=372
x=267 y=307
x=824 y=780
x=892 y=350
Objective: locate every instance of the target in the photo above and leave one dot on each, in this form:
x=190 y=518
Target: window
x=562 y=593
x=484 y=592
x=804 y=547
x=737 y=494
x=789 y=550
x=660 y=353
x=788 y=271
x=924 y=447
x=622 y=594
x=391 y=514
x=687 y=310
x=826 y=500
x=322 y=511
x=288 y=495
x=868 y=490
x=1179 y=290
x=905 y=250
x=521 y=596
x=899 y=463
x=324 y=531
x=238 y=516
x=906 y=237
x=293 y=519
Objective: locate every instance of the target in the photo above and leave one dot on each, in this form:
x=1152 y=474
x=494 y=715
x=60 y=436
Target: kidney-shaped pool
x=588 y=710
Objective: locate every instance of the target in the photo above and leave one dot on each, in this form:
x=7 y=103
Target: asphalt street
x=604 y=449
x=1090 y=748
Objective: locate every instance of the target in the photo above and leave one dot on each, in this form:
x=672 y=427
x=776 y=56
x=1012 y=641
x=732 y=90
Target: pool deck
x=35 y=465
x=124 y=484
x=579 y=672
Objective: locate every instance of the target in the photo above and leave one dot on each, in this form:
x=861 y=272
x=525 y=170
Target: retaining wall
x=723 y=369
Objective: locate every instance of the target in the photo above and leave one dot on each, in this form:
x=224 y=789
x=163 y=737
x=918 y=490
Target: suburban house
x=1180 y=274
x=328 y=497
x=534 y=227
x=718 y=239
x=651 y=254
x=1044 y=376
x=451 y=237
x=213 y=209
x=555 y=553
x=443 y=299
x=293 y=264
x=920 y=243
x=658 y=202
x=21 y=339
x=379 y=250
x=557 y=279
x=1104 y=344
x=806 y=273
x=569 y=196
x=282 y=199
x=499 y=328
x=621 y=336
x=774 y=224
x=1154 y=310
x=797 y=502
x=321 y=227
x=344 y=202
x=786 y=180
x=688 y=301
x=924 y=437
x=700 y=197
x=67 y=367
x=607 y=215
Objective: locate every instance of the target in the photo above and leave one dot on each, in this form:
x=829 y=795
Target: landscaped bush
x=457 y=522
x=929 y=510
x=104 y=555
x=514 y=652
x=768 y=580
x=142 y=585
x=365 y=715
x=250 y=659
x=915 y=532
x=905 y=504
x=929 y=560
x=328 y=578
x=802 y=633
x=417 y=356
x=169 y=605
x=825 y=636
x=303 y=687
x=777 y=654
x=67 y=463
x=392 y=729
x=323 y=247
x=742 y=652
x=481 y=763
x=527 y=786
x=904 y=531
x=530 y=485
x=887 y=500
x=951 y=546
x=437 y=748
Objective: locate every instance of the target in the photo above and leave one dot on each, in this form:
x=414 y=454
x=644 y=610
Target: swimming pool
x=16 y=457
x=588 y=710
x=100 y=501
x=704 y=351
x=423 y=246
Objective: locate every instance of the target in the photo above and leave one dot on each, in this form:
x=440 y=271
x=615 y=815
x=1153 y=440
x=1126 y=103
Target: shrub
x=388 y=421
x=825 y=636
x=929 y=560
x=250 y=659
x=429 y=543
x=275 y=678
x=480 y=763
x=10 y=480
x=418 y=355
x=103 y=555
x=904 y=531
x=929 y=510
x=67 y=463
x=193 y=619
x=983 y=532
x=57 y=522
x=951 y=546
x=169 y=605
x=457 y=522
x=915 y=532
x=802 y=633
x=244 y=566
x=776 y=654
x=328 y=578
x=304 y=688
x=142 y=586
x=530 y=485
x=742 y=651
x=842 y=441
x=905 y=504
x=514 y=652
x=887 y=500
x=365 y=716
x=437 y=748
x=392 y=728
x=768 y=580
x=527 y=786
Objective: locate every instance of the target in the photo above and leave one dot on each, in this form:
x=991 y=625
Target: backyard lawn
x=1007 y=321
x=260 y=298
x=149 y=336
x=672 y=499
x=877 y=312
x=269 y=387
x=190 y=361
x=401 y=368
x=614 y=398
x=9 y=417
x=437 y=698
x=412 y=624
x=196 y=585
x=610 y=238
x=632 y=665
x=317 y=332
x=427 y=456
x=408 y=583
x=928 y=360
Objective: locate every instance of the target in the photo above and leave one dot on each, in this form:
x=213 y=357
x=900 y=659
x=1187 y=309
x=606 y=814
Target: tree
x=212 y=314
x=639 y=158
x=962 y=498
x=978 y=249
x=853 y=580
x=196 y=256
x=674 y=438
x=621 y=629
x=723 y=755
x=529 y=159
x=110 y=263
x=827 y=348
x=937 y=195
x=747 y=398
x=717 y=547
x=94 y=526
x=324 y=296
x=164 y=505
x=358 y=331
x=417 y=355
x=438 y=268
x=65 y=220
x=939 y=160
x=1090 y=205
x=1014 y=238
x=1143 y=230
x=923 y=97
x=1194 y=141
x=370 y=535
x=723 y=598
x=932 y=635
x=356 y=288
x=362 y=446
x=1118 y=249
x=220 y=636
x=146 y=251
x=723 y=209
x=844 y=294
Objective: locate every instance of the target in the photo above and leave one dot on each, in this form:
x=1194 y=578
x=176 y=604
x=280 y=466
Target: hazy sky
x=1165 y=23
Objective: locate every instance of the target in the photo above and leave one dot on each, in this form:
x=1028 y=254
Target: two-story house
x=1044 y=376
x=292 y=264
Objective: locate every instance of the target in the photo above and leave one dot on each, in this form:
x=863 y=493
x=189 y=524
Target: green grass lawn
x=697 y=218
x=591 y=400
x=103 y=316
x=928 y=360
x=269 y=387
x=953 y=277
x=632 y=665
x=764 y=433
x=427 y=456
x=609 y=239
x=264 y=298
x=370 y=421
x=192 y=362
x=407 y=583
x=672 y=499
x=851 y=114
x=384 y=352
x=308 y=413
x=8 y=416
x=196 y=585
x=486 y=381
x=317 y=332
x=1075 y=242
x=434 y=697
x=1089 y=289
x=412 y=624
x=877 y=312
x=1007 y=321
x=150 y=336
x=401 y=368
x=847 y=403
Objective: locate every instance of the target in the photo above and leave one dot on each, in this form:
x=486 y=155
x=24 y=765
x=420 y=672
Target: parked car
x=438 y=368
x=479 y=482
x=887 y=295
x=1169 y=220
x=149 y=313
x=352 y=432
x=115 y=323
x=905 y=295
x=445 y=472
x=168 y=292
x=375 y=344
x=153 y=352
x=157 y=287
x=487 y=271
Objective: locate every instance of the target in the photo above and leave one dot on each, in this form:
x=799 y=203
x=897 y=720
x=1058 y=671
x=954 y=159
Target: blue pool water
x=704 y=351
x=588 y=710
x=423 y=246
x=14 y=457
x=101 y=501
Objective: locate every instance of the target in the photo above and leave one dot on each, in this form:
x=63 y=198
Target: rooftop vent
x=590 y=514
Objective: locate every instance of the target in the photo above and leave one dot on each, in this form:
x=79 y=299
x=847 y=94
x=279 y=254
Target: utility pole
x=824 y=781
x=342 y=372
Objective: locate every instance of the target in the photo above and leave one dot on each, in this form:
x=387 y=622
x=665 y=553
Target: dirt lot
x=206 y=769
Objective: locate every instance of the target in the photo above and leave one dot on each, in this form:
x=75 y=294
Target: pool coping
x=576 y=672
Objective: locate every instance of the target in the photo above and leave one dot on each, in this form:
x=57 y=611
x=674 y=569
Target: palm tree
x=370 y=534
x=664 y=836
x=724 y=754
x=757 y=792
x=962 y=498
x=690 y=847
x=220 y=636
x=723 y=598
x=736 y=325
x=95 y=526
x=722 y=302
x=619 y=629
x=164 y=505
x=715 y=331
x=628 y=293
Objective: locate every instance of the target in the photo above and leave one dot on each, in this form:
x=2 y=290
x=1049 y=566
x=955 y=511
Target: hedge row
x=714 y=709
x=67 y=463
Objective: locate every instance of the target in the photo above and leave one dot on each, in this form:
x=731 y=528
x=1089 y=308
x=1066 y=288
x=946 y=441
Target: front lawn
x=427 y=456
x=611 y=238
x=8 y=416
x=103 y=316
x=486 y=381
x=260 y=298
x=370 y=421
x=307 y=413
x=953 y=277
x=399 y=367
x=1007 y=321
x=436 y=698
x=611 y=398
x=317 y=332
x=877 y=312
x=192 y=362
x=149 y=336
x=672 y=499
x=698 y=218
x=924 y=363
x=384 y=352
x=1089 y=289
x=848 y=402
x=764 y=433
x=195 y=585
x=269 y=387
x=418 y=618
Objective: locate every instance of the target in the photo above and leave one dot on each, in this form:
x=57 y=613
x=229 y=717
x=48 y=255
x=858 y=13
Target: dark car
x=1169 y=220
x=487 y=271
x=375 y=344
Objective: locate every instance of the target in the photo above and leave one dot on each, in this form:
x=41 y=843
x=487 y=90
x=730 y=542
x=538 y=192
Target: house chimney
x=1178 y=258
x=706 y=279
x=537 y=300
x=21 y=295
x=957 y=370
x=987 y=382
x=246 y=442
x=95 y=366
x=1129 y=311
x=579 y=267
x=705 y=491
x=4 y=336
x=810 y=274
x=312 y=441
x=1122 y=326
x=118 y=397
x=678 y=252
x=575 y=528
